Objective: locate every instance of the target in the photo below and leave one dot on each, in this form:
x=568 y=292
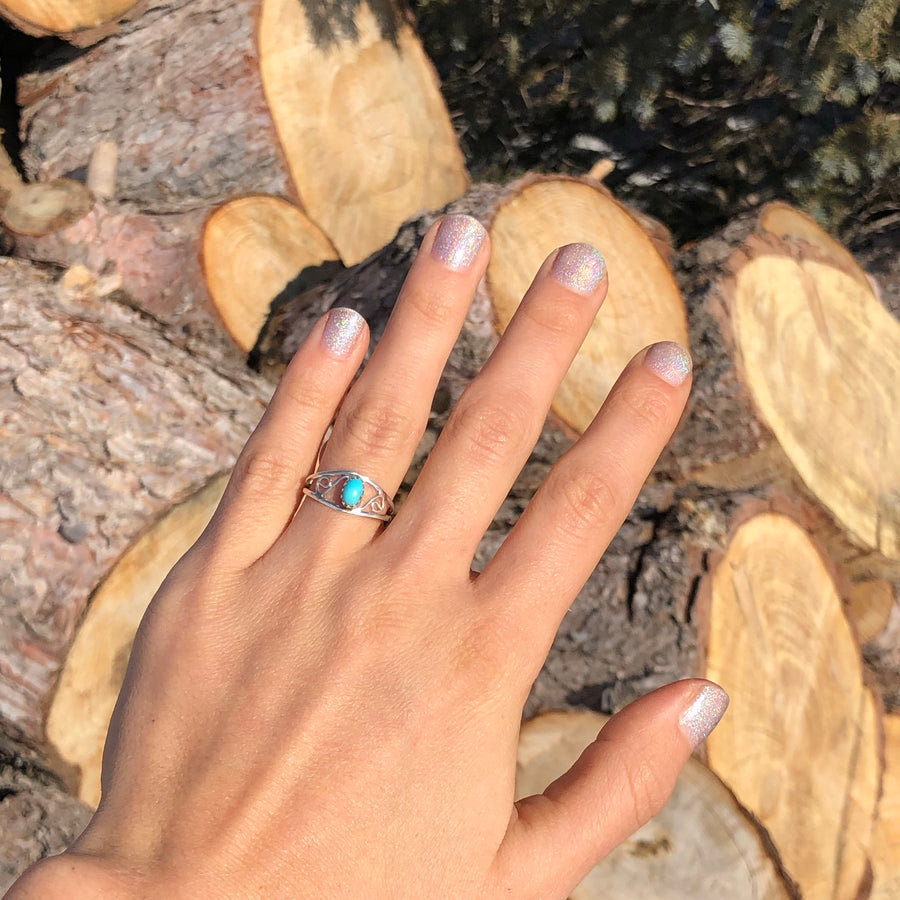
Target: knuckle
x=588 y=501
x=307 y=400
x=483 y=653
x=561 y=317
x=434 y=306
x=648 y=405
x=263 y=470
x=380 y=425
x=490 y=430
x=645 y=790
x=378 y=626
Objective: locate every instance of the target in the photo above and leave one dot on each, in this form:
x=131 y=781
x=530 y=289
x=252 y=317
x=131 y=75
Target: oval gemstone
x=352 y=493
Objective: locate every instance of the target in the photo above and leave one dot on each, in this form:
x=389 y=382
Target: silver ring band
x=350 y=492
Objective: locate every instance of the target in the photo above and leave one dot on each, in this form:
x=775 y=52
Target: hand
x=319 y=706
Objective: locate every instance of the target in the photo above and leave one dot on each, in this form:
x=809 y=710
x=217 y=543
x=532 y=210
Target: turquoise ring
x=349 y=492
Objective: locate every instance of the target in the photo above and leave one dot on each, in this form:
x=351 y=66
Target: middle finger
x=385 y=413
x=497 y=420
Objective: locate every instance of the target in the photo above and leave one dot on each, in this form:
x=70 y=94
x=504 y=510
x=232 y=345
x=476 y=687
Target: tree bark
x=179 y=92
x=107 y=426
x=38 y=815
x=154 y=260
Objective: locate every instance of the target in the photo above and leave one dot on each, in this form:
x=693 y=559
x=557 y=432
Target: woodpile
x=201 y=185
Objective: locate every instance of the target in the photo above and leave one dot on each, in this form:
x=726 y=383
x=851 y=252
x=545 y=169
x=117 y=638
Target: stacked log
x=803 y=750
x=252 y=250
x=702 y=844
x=886 y=844
x=338 y=114
x=764 y=551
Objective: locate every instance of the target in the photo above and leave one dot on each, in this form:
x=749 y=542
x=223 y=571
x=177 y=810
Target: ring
x=350 y=492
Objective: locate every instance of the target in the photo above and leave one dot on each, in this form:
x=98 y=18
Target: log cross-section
x=701 y=845
x=801 y=744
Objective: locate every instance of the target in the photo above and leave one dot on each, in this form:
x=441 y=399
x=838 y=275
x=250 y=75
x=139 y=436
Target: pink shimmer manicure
x=670 y=361
x=579 y=267
x=342 y=330
x=704 y=713
x=458 y=241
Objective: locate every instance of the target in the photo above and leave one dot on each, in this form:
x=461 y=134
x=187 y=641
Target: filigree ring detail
x=349 y=492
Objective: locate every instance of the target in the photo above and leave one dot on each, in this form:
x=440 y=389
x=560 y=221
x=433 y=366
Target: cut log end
x=369 y=111
x=787 y=222
x=70 y=19
x=95 y=667
x=886 y=852
x=821 y=357
x=801 y=745
x=252 y=248
x=643 y=306
x=702 y=844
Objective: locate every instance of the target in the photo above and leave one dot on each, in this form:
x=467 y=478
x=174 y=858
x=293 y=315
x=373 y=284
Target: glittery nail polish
x=704 y=713
x=342 y=330
x=670 y=361
x=579 y=267
x=457 y=242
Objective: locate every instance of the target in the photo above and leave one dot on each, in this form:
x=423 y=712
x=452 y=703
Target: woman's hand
x=319 y=706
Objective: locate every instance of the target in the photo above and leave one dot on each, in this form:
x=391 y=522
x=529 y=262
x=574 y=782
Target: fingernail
x=704 y=713
x=342 y=330
x=458 y=241
x=670 y=361
x=579 y=267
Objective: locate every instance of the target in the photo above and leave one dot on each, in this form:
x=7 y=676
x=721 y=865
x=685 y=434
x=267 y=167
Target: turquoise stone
x=352 y=493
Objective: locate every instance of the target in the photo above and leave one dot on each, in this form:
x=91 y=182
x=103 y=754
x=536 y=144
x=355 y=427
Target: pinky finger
x=618 y=784
x=266 y=484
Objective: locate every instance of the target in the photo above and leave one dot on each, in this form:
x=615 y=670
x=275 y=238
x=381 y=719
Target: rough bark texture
x=106 y=425
x=178 y=90
x=631 y=627
x=38 y=816
x=155 y=260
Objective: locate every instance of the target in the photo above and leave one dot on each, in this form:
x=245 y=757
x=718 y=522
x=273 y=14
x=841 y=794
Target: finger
x=384 y=415
x=573 y=516
x=619 y=783
x=497 y=420
x=265 y=485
